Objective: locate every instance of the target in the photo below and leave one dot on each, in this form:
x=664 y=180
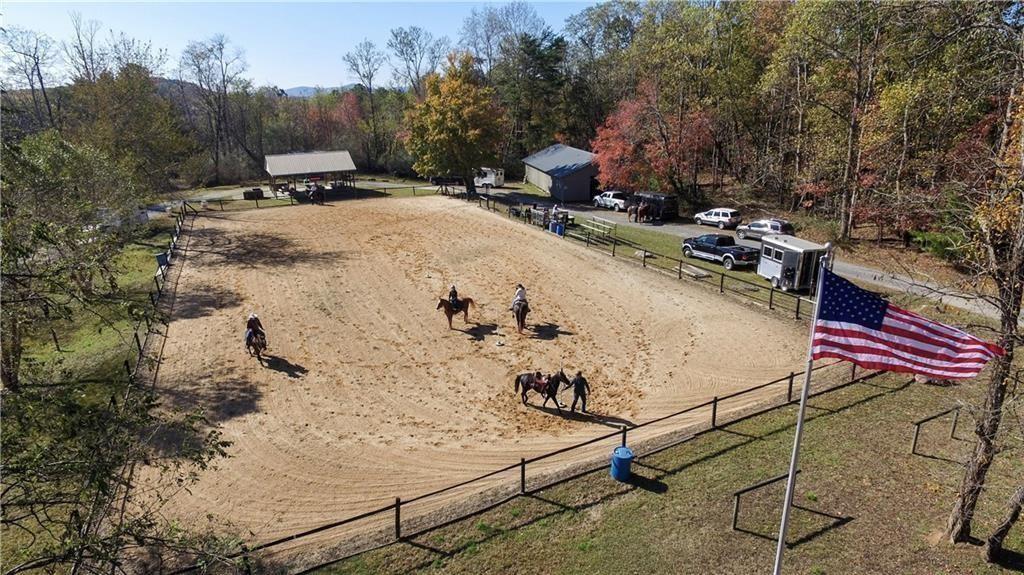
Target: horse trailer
x=662 y=206
x=491 y=177
x=790 y=263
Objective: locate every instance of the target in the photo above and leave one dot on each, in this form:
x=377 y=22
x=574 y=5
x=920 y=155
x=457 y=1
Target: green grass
x=528 y=189
x=394 y=179
x=855 y=465
x=93 y=347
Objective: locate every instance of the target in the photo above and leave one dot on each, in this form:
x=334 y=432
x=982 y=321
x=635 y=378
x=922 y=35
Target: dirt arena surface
x=367 y=395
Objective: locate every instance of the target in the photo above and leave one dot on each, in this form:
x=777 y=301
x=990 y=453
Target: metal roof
x=792 y=242
x=309 y=163
x=559 y=160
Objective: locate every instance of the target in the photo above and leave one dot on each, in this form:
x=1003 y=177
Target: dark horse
x=546 y=386
x=449 y=311
x=257 y=345
x=519 y=310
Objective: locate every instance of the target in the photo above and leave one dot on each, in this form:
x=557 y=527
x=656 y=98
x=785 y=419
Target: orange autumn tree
x=645 y=144
x=456 y=129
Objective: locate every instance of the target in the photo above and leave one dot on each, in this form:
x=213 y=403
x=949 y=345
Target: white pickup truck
x=611 y=200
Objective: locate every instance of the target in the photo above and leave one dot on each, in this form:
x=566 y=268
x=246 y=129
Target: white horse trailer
x=490 y=177
x=790 y=263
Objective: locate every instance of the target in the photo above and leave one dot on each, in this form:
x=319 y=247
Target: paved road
x=891 y=281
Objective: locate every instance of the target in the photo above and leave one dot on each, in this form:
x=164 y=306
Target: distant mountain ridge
x=310 y=91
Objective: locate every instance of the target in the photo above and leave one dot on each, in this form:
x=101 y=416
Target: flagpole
x=791 y=480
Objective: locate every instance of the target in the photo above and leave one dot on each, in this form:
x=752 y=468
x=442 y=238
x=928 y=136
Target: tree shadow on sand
x=201 y=300
x=292 y=370
x=256 y=249
x=548 y=331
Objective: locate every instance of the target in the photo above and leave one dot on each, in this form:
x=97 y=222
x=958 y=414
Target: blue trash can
x=622 y=458
x=560 y=229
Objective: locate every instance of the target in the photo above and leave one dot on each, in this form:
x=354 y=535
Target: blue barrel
x=161 y=259
x=622 y=458
x=560 y=229
x=552 y=226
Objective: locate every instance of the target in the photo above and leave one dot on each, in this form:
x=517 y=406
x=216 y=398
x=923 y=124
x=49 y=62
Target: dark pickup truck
x=719 y=248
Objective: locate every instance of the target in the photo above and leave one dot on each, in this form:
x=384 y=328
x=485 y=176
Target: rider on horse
x=453 y=298
x=520 y=296
x=253 y=326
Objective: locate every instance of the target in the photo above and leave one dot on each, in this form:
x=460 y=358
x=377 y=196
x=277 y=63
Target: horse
x=643 y=213
x=546 y=386
x=257 y=345
x=631 y=213
x=519 y=310
x=449 y=311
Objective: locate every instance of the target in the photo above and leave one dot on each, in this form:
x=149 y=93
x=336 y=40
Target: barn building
x=322 y=167
x=567 y=173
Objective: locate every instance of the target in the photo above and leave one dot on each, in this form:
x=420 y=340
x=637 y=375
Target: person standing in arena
x=580 y=390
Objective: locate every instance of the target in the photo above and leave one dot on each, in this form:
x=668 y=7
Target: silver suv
x=721 y=217
x=758 y=229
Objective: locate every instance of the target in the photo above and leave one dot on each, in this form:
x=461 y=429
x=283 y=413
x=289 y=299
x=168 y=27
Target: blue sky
x=286 y=44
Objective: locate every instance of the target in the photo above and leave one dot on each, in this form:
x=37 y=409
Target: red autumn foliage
x=642 y=146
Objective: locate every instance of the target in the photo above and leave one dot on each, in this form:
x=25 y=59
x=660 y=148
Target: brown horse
x=643 y=213
x=446 y=305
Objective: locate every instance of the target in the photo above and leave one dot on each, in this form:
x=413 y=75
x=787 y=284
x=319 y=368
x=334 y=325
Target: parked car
x=612 y=200
x=759 y=228
x=721 y=217
x=720 y=248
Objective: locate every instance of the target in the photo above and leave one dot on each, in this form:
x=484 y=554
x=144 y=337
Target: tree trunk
x=10 y=352
x=994 y=545
x=958 y=528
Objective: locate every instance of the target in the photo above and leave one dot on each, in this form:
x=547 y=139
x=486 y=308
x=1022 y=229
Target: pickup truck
x=612 y=200
x=719 y=248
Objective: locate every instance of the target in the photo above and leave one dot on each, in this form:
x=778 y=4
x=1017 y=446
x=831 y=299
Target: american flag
x=859 y=326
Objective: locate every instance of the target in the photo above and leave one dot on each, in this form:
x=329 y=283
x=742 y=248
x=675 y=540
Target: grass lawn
x=866 y=505
x=393 y=179
x=93 y=348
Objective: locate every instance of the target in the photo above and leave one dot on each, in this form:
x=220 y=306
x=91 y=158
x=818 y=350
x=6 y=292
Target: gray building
x=564 y=172
x=316 y=166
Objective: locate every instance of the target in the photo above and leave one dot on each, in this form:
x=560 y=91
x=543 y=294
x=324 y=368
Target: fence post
x=913 y=442
x=257 y=202
x=615 y=243
x=398 y=518
x=152 y=298
x=721 y=283
x=714 y=412
x=522 y=475
x=624 y=428
x=680 y=272
x=798 y=298
x=735 y=511
x=221 y=202
x=645 y=258
x=128 y=369
x=157 y=282
x=771 y=298
x=789 y=392
x=588 y=238
x=952 y=428
x=853 y=371
x=138 y=343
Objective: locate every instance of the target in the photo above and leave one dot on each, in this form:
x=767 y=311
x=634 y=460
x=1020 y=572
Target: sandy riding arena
x=367 y=395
